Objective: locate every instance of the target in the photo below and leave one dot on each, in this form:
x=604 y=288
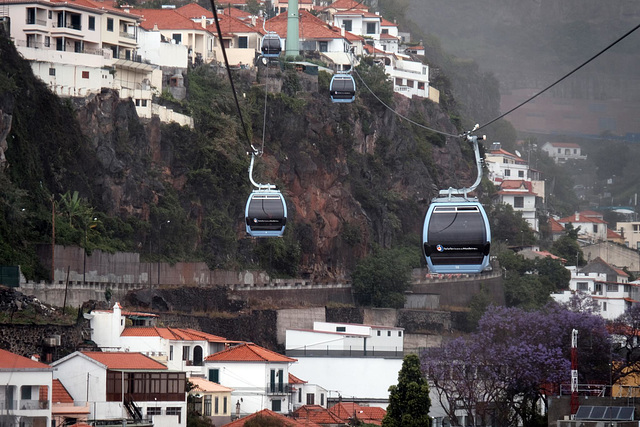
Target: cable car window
x=456 y=235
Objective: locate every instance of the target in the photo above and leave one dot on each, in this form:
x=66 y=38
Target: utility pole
x=574 y=373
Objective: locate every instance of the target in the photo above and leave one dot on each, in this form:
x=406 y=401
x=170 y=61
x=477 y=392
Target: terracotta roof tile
x=183 y=334
x=193 y=11
x=347 y=4
x=231 y=25
x=368 y=414
x=287 y=422
x=556 y=227
x=316 y=414
x=125 y=360
x=248 y=352
x=59 y=393
x=581 y=218
x=310 y=27
x=205 y=385
x=387 y=23
x=165 y=19
x=564 y=145
x=295 y=380
x=9 y=361
x=613 y=234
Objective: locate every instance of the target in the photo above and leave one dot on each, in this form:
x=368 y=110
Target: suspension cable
x=563 y=77
x=264 y=118
x=233 y=89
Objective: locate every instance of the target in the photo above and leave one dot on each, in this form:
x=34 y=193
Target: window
x=385 y=31
x=59 y=44
x=341 y=329
x=520 y=174
x=50 y=14
x=311 y=398
x=347 y=24
x=612 y=287
x=77 y=47
x=137 y=102
x=583 y=286
x=110 y=28
x=518 y=202
x=399 y=333
x=388 y=333
x=224 y=405
x=300 y=395
x=31 y=16
x=170 y=352
x=575 y=151
x=636 y=228
x=321 y=399
x=144 y=102
x=47 y=41
x=25 y=392
x=216 y=405
x=207 y=406
x=507 y=172
x=398 y=81
x=178 y=38
x=214 y=375
x=410 y=83
x=559 y=151
x=379 y=333
x=604 y=306
x=52 y=71
x=276 y=405
x=598 y=288
x=92 y=23
x=371 y=27
x=421 y=85
x=243 y=42
x=154 y=411
x=323 y=46
x=85 y=74
x=595 y=228
x=185 y=352
x=174 y=411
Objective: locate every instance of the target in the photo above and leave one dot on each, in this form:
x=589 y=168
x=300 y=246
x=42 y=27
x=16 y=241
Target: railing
x=26 y=404
x=127 y=35
x=385 y=352
x=8 y=404
x=69 y=25
x=278 y=388
x=32 y=21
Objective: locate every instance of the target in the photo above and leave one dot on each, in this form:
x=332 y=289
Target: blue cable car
x=271 y=45
x=265 y=213
x=456 y=237
x=342 y=88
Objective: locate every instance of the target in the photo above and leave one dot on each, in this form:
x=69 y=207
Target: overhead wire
x=562 y=78
x=226 y=62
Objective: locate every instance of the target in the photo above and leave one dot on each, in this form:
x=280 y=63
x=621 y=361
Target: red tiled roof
x=368 y=414
x=370 y=49
x=556 y=227
x=310 y=27
x=513 y=184
x=231 y=25
x=287 y=422
x=102 y=6
x=347 y=4
x=183 y=334
x=235 y=12
x=388 y=36
x=581 y=218
x=125 y=360
x=613 y=234
x=316 y=414
x=165 y=19
x=620 y=271
x=238 y=2
x=10 y=361
x=387 y=23
x=295 y=380
x=59 y=393
x=504 y=153
x=194 y=10
x=248 y=352
x=204 y=385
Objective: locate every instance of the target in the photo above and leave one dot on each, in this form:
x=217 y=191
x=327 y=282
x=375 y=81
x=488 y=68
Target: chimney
x=577 y=216
x=342 y=31
x=155 y=27
x=203 y=22
x=35 y=357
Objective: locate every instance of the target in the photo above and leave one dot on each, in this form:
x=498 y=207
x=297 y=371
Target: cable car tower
x=456 y=236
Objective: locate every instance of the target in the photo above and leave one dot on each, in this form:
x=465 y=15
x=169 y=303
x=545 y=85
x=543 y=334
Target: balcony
x=278 y=388
x=33 y=21
x=127 y=35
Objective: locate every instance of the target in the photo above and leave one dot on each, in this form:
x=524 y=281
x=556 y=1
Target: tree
x=409 y=401
x=567 y=246
x=505 y=369
x=381 y=279
x=508 y=225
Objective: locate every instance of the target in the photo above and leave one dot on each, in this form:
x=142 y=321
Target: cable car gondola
x=456 y=236
x=265 y=213
x=271 y=45
x=342 y=88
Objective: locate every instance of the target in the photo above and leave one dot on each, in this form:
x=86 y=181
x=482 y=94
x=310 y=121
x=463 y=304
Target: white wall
x=163 y=54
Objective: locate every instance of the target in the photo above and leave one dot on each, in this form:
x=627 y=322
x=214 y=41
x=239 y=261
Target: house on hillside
x=121 y=386
x=342 y=356
x=258 y=377
x=353 y=413
x=520 y=195
x=630 y=233
x=267 y=414
x=242 y=40
x=561 y=152
x=180 y=349
x=593 y=227
x=25 y=391
x=307 y=394
x=63 y=408
x=319 y=415
x=603 y=284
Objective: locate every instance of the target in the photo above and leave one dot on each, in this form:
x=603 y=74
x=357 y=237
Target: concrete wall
x=613 y=254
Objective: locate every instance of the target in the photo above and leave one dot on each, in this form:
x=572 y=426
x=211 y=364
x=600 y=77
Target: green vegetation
x=409 y=401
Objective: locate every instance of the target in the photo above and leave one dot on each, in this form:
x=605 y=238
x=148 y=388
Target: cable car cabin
x=266 y=213
x=271 y=46
x=456 y=237
x=342 y=88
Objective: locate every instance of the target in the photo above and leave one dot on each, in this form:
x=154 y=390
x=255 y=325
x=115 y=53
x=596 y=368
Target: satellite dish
x=518 y=153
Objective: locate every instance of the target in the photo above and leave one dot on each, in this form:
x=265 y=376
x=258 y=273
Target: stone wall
x=27 y=340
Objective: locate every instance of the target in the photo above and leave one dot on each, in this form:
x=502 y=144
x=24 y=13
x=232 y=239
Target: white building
x=304 y=393
x=630 y=232
x=519 y=194
x=120 y=386
x=350 y=360
x=561 y=152
x=25 y=391
x=258 y=377
x=593 y=228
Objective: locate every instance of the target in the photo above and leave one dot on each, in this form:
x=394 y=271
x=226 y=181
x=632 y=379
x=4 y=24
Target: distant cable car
x=265 y=213
x=271 y=45
x=456 y=236
x=342 y=88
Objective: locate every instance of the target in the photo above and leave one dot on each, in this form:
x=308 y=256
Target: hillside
x=354 y=175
